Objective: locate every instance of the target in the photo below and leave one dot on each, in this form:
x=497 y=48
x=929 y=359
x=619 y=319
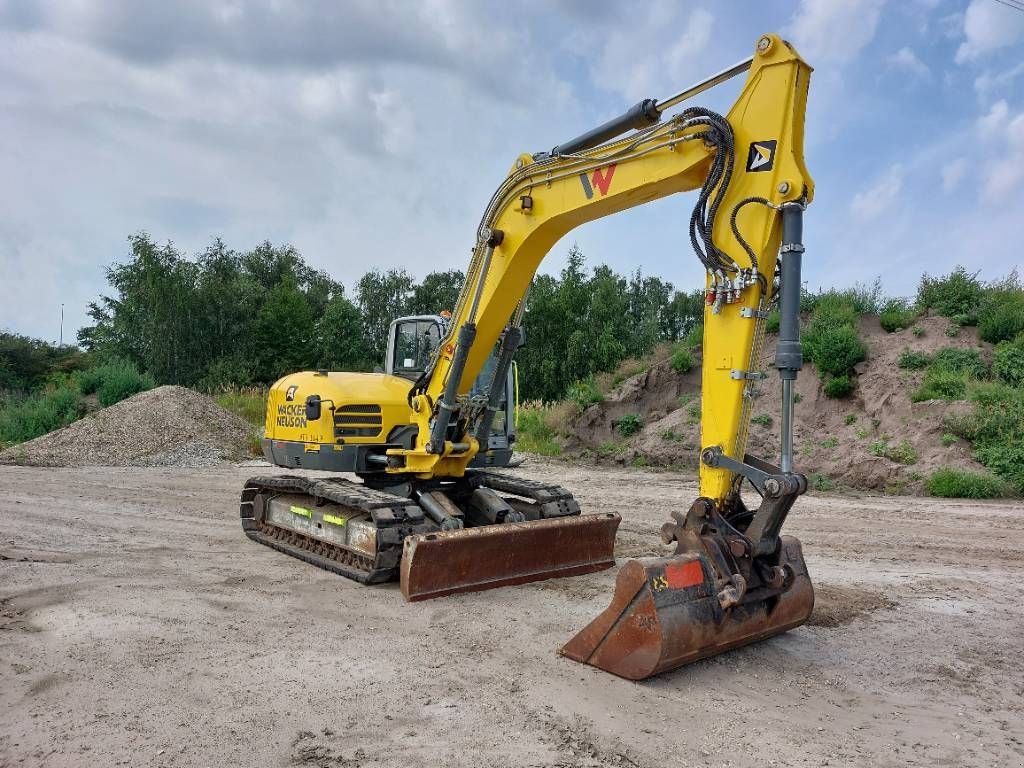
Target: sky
x=372 y=134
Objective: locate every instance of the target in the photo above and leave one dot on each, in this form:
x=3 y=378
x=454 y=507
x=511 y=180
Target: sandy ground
x=138 y=626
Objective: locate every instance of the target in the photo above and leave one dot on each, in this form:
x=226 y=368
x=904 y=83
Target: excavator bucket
x=666 y=613
x=473 y=559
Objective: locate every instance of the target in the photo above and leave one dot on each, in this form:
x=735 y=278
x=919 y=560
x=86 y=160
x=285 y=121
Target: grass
x=903 y=453
x=914 y=361
x=23 y=418
x=940 y=384
x=611 y=449
x=534 y=431
x=948 y=439
x=248 y=402
x=763 y=420
x=251 y=404
x=821 y=482
x=851 y=418
x=961 y=484
x=829 y=442
x=996 y=429
x=670 y=435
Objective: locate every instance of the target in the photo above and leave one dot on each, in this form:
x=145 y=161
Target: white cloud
x=666 y=46
x=987 y=82
x=989 y=26
x=834 y=29
x=1007 y=172
x=1003 y=132
x=953 y=173
x=991 y=125
x=873 y=202
x=907 y=60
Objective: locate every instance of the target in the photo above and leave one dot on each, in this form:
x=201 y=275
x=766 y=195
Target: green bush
x=1002 y=314
x=90 y=379
x=762 y=419
x=961 y=484
x=1008 y=361
x=851 y=418
x=948 y=439
x=918 y=331
x=996 y=428
x=122 y=380
x=629 y=424
x=831 y=340
x=695 y=336
x=838 y=386
x=953 y=331
x=941 y=384
x=821 y=482
x=903 y=453
x=113 y=381
x=35 y=415
x=960 y=361
x=584 y=393
x=958 y=293
x=681 y=360
x=773 y=321
x=914 y=360
x=896 y=315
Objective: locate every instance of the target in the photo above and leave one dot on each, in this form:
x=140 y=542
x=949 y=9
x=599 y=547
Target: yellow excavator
x=431 y=504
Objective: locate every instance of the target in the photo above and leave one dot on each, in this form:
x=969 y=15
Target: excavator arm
x=748 y=166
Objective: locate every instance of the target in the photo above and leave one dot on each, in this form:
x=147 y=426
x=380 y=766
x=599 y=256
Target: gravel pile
x=164 y=427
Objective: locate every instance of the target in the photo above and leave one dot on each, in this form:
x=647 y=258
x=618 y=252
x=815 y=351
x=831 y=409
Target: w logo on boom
x=602 y=179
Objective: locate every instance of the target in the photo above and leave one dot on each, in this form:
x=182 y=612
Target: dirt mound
x=166 y=426
x=835 y=605
x=835 y=440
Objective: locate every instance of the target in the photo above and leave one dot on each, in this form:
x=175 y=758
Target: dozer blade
x=665 y=613
x=473 y=559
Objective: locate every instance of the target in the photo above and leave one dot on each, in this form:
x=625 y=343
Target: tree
x=340 y=343
x=284 y=332
x=439 y=291
x=382 y=297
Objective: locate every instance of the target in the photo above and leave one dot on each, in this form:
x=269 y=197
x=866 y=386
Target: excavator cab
x=412 y=343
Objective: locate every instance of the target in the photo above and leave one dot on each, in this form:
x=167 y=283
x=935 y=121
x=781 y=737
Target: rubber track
x=395 y=517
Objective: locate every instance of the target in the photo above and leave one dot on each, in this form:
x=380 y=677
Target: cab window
x=415 y=344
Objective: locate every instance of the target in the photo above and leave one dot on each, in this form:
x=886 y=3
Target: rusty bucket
x=666 y=613
x=473 y=559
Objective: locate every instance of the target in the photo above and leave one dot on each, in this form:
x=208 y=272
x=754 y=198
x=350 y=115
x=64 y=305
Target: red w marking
x=603 y=180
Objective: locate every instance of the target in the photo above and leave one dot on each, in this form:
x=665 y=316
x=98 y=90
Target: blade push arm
x=746 y=165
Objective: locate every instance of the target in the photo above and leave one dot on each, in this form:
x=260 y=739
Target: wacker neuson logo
x=762 y=156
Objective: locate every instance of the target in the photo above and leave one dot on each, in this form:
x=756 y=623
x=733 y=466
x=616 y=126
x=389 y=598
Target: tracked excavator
x=429 y=505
